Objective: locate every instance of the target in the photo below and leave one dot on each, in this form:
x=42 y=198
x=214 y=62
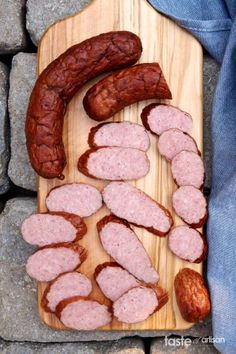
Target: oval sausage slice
x=81 y=313
x=192 y=295
x=64 y=286
x=50 y=228
x=123 y=245
x=50 y=261
x=187 y=169
x=125 y=87
x=77 y=198
x=123 y=134
x=133 y=205
x=114 y=163
x=190 y=204
x=137 y=304
x=172 y=141
x=158 y=118
x=113 y=280
x=188 y=244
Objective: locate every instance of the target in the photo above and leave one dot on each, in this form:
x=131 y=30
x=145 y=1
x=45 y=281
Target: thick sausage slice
x=189 y=203
x=158 y=118
x=58 y=83
x=137 y=304
x=172 y=141
x=114 y=163
x=123 y=88
x=81 y=313
x=77 y=198
x=123 y=245
x=123 y=134
x=50 y=261
x=133 y=205
x=188 y=244
x=50 y=228
x=192 y=295
x=113 y=280
x=188 y=169
x=64 y=286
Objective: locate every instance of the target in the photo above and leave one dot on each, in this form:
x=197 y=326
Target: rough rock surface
x=19 y=295
x=124 y=346
x=12 y=32
x=42 y=13
x=4 y=132
x=210 y=71
x=22 y=79
x=188 y=346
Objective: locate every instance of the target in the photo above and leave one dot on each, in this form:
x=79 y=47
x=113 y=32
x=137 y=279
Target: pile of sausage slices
x=117 y=153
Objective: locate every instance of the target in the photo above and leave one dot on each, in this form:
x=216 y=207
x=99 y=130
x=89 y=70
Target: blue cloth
x=213 y=23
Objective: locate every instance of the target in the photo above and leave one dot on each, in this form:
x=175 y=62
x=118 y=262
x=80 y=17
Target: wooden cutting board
x=180 y=57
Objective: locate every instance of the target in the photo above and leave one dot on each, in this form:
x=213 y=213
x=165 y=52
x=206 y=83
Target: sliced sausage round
x=190 y=204
x=172 y=141
x=114 y=163
x=123 y=245
x=188 y=244
x=50 y=261
x=125 y=87
x=83 y=314
x=187 y=169
x=133 y=205
x=77 y=198
x=137 y=304
x=158 y=118
x=50 y=228
x=64 y=286
x=113 y=280
x=123 y=134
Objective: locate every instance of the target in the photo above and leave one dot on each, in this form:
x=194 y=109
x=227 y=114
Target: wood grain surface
x=180 y=57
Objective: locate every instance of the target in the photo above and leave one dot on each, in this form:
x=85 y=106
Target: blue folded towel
x=213 y=23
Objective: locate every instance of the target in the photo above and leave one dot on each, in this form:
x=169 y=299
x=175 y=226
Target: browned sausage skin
x=58 y=83
x=123 y=88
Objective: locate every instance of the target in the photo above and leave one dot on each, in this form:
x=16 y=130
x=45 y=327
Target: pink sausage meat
x=123 y=134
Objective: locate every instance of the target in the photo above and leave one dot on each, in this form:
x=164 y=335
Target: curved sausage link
x=125 y=87
x=58 y=83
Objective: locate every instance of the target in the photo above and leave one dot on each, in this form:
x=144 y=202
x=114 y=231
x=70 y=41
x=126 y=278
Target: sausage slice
x=158 y=118
x=190 y=204
x=187 y=169
x=123 y=88
x=59 y=82
x=192 y=295
x=172 y=141
x=188 y=244
x=64 y=286
x=114 y=163
x=137 y=304
x=123 y=245
x=77 y=198
x=123 y=134
x=113 y=280
x=133 y=205
x=50 y=261
x=50 y=228
x=82 y=313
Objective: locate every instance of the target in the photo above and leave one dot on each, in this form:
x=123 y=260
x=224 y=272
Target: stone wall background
x=22 y=24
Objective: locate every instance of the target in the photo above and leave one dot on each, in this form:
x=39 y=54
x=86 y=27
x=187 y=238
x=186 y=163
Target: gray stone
x=124 y=346
x=210 y=71
x=19 y=295
x=4 y=132
x=42 y=13
x=22 y=79
x=12 y=31
x=182 y=346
